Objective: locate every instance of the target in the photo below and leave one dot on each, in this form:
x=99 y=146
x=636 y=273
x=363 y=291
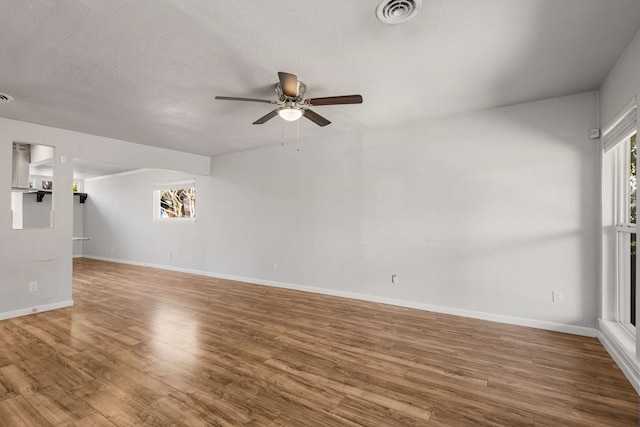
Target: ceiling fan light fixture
x=290 y=114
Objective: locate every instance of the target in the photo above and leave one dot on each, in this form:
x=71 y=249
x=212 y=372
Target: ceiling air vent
x=398 y=11
x=4 y=98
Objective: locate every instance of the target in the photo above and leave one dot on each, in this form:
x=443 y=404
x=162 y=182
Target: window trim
x=623 y=230
x=172 y=185
x=623 y=292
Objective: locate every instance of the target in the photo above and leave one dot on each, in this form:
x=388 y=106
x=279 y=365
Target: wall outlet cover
x=556 y=296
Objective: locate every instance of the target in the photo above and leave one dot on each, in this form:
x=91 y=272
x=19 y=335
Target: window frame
x=173 y=185
x=624 y=229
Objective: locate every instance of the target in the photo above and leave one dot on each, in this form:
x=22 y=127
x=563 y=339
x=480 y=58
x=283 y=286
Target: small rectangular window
x=175 y=202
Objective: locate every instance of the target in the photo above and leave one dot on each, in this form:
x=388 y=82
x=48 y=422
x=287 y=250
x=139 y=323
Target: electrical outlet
x=170 y=255
x=275 y=266
x=33 y=286
x=394 y=279
x=556 y=296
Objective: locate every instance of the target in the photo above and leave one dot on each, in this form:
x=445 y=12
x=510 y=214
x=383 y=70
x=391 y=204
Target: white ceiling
x=148 y=71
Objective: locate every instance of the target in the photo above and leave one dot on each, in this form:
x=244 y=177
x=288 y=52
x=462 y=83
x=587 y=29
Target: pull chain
x=298 y=134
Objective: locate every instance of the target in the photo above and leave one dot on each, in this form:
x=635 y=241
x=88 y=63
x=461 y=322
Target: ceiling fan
x=292 y=104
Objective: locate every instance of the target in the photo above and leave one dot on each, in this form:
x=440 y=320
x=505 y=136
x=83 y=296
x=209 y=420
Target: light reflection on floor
x=175 y=335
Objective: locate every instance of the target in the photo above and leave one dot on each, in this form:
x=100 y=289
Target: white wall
x=44 y=256
x=118 y=218
x=78 y=226
x=36 y=214
x=486 y=212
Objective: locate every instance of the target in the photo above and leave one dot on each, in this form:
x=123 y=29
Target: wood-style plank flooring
x=149 y=347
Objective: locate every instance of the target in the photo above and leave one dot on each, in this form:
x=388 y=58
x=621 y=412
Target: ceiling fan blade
x=233 y=98
x=316 y=118
x=289 y=83
x=266 y=117
x=335 y=100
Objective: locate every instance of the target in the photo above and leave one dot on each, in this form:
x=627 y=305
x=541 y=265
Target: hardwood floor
x=150 y=347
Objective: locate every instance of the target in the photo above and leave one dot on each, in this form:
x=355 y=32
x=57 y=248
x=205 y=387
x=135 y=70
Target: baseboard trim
x=519 y=321
x=35 y=309
x=622 y=350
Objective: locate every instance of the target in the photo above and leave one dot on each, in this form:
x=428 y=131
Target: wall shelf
x=40 y=195
x=83 y=196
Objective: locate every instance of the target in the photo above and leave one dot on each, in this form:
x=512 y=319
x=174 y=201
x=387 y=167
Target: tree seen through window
x=178 y=203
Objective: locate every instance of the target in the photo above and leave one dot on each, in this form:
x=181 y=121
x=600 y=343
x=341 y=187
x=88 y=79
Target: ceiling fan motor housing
x=302 y=89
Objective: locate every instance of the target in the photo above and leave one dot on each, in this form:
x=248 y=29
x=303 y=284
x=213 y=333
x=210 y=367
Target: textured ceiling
x=148 y=71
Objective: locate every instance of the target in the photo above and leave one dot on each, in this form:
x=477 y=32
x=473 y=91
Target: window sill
x=175 y=221
x=622 y=336
x=621 y=345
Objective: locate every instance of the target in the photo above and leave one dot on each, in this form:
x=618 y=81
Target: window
x=625 y=153
x=175 y=202
x=619 y=188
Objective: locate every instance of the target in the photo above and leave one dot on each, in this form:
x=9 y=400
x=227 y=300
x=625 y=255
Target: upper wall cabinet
x=31 y=175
